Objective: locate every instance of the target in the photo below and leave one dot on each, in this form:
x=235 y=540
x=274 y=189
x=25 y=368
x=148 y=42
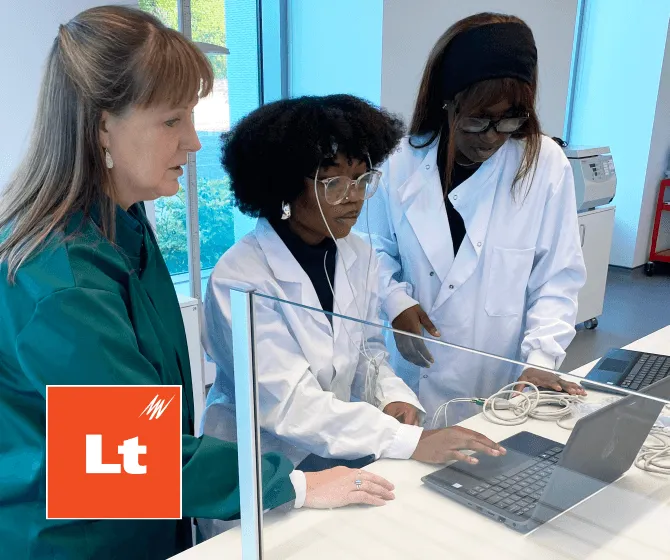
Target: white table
x=628 y=519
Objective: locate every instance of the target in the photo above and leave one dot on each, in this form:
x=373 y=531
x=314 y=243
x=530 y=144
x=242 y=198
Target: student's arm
x=292 y=404
x=557 y=276
x=395 y=295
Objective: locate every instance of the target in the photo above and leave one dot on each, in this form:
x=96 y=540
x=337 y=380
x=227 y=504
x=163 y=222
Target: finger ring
x=358 y=482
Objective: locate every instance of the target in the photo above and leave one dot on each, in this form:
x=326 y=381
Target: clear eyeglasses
x=340 y=188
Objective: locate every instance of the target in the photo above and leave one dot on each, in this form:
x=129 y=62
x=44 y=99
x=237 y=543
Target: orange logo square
x=114 y=452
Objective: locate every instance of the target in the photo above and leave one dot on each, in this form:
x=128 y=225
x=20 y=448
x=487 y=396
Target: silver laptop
x=539 y=478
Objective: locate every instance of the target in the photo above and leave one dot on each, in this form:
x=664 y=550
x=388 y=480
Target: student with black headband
x=475 y=223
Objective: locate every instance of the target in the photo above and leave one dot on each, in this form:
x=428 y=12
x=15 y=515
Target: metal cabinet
x=595 y=230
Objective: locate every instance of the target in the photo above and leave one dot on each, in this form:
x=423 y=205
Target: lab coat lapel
x=473 y=200
x=293 y=279
x=345 y=292
x=422 y=200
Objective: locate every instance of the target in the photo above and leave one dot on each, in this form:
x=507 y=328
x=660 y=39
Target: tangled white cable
x=541 y=405
x=655 y=453
x=442 y=409
x=374 y=362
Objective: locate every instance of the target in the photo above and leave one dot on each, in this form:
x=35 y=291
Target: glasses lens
x=336 y=190
x=510 y=125
x=473 y=124
x=368 y=183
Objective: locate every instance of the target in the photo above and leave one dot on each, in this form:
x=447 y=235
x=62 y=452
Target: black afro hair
x=271 y=151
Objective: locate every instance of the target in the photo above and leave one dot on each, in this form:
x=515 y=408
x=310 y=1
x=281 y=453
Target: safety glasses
x=479 y=125
x=341 y=188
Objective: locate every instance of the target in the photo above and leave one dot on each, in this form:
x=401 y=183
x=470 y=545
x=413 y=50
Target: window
x=169 y=214
x=216 y=26
x=165 y=10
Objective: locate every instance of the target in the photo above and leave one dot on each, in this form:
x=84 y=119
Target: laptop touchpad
x=610 y=364
x=522 y=449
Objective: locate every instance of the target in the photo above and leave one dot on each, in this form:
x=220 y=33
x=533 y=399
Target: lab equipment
x=661 y=206
x=595 y=176
x=595 y=187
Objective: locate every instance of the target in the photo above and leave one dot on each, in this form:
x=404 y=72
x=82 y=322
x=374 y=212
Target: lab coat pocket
x=507 y=281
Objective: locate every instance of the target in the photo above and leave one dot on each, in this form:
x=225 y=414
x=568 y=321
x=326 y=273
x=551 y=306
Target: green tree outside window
x=214 y=198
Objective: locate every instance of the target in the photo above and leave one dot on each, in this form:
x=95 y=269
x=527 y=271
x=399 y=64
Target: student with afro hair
x=327 y=394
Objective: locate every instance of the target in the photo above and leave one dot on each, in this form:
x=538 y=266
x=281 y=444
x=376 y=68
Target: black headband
x=496 y=50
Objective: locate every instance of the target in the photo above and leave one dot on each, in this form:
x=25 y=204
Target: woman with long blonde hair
x=86 y=298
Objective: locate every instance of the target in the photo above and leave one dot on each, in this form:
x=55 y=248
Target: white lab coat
x=307 y=370
x=512 y=288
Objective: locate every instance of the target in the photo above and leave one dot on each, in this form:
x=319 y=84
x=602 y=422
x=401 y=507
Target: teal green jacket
x=86 y=311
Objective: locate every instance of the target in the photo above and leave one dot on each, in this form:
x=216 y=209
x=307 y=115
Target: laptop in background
x=628 y=369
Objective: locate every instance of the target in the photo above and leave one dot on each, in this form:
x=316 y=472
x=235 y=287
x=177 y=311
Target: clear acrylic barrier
x=567 y=487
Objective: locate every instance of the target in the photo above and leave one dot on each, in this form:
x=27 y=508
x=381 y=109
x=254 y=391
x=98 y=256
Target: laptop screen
x=602 y=447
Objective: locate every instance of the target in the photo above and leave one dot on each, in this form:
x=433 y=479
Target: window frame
x=271 y=26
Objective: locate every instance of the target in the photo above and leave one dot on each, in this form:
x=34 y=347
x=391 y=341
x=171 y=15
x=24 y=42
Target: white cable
x=372 y=373
x=569 y=422
x=526 y=405
x=442 y=409
x=549 y=405
x=655 y=453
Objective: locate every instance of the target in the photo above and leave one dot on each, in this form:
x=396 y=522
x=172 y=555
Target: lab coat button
x=425 y=377
x=455 y=197
x=479 y=244
x=432 y=273
x=427 y=166
x=451 y=286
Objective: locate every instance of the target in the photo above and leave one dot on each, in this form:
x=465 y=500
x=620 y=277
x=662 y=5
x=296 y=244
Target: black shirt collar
x=299 y=249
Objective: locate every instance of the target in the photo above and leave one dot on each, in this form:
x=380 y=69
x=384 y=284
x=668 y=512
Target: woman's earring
x=445 y=106
x=109 y=162
x=285 y=210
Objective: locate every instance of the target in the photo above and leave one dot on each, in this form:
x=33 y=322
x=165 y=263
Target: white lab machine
x=595 y=177
x=595 y=187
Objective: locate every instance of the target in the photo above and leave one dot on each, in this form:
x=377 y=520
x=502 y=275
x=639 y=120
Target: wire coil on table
x=521 y=405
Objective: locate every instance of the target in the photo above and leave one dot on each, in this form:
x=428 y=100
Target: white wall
x=411 y=28
x=28 y=30
x=335 y=47
x=659 y=161
x=617 y=87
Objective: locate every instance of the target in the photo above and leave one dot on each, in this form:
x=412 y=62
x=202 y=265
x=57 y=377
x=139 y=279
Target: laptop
x=539 y=478
x=628 y=369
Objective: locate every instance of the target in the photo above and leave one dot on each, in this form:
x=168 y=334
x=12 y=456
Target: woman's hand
x=548 y=380
x=337 y=487
x=403 y=412
x=440 y=446
x=414 y=320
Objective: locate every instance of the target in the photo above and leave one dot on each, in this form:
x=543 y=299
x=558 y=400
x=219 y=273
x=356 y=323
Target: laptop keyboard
x=519 y=490
x=649 y=369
